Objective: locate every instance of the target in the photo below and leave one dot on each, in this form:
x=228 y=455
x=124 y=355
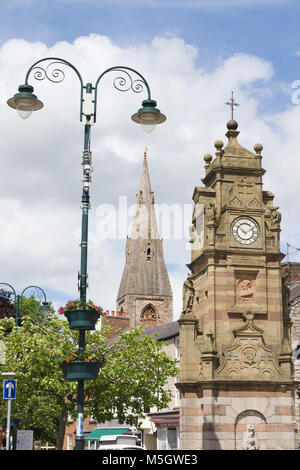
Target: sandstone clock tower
x=236 y=380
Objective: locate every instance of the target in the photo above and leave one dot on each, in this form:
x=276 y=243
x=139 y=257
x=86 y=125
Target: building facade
x=161 y=427
x=236 y=372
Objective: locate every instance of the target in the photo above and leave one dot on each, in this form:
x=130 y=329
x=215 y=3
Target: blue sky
x=219 y=28
x=194 y=53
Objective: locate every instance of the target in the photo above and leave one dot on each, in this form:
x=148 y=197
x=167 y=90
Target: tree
x=132 y=379
x=6 y=305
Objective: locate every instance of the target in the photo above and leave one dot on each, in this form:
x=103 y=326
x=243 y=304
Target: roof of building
x=163 y=332
x=160 y=333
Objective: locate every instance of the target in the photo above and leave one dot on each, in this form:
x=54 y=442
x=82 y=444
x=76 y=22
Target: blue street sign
x=9 y=389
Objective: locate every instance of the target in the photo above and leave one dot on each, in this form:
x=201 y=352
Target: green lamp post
x=25 y=101
x=44 y=309
x=35 y=291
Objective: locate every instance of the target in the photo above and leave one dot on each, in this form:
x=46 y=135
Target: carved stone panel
x=249 y=358
x=245 y=288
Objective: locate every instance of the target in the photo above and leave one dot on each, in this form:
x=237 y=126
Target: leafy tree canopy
x=132 y=379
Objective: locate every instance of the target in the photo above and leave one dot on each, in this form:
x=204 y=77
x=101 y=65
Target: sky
x=193 y=53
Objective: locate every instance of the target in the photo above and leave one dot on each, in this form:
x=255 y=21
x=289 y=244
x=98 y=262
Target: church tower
x=145 y=293
x=236 y=383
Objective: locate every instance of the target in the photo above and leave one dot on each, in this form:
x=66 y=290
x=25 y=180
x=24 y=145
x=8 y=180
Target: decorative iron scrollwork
x=55 y=75
x=126 y=82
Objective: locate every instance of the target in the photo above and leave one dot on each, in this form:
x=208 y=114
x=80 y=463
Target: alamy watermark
x=166 y=221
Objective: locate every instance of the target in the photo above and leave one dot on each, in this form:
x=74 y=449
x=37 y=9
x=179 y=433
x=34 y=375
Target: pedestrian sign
x=9 y=389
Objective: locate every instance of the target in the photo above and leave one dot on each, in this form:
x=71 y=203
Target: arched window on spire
x=149 y=254
x=149 y=312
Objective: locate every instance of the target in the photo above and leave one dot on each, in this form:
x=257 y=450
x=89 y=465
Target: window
x=149 y=312
x=167 y=438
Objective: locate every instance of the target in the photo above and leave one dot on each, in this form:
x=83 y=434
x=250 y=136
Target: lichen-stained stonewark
x=236 y=367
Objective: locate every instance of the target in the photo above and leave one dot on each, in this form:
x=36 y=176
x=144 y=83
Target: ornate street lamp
x=35 y=291
x=25 y=101
x=39 y=294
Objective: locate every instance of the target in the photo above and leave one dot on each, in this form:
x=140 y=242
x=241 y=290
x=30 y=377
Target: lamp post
x=18 y=298
x=25 y=101
x=44 y=309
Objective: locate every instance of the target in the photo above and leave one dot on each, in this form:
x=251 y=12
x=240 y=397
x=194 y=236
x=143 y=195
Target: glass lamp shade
x=25 y=101
x=45 y=309
x=148 y=116
x=23 y=111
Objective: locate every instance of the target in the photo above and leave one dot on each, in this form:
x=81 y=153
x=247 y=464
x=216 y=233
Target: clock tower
x=236 y=379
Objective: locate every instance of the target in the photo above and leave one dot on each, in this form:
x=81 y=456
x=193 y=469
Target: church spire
x=145 y=293
x=144 y=224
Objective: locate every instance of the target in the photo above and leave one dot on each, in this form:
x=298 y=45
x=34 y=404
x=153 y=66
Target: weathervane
x=232 y=103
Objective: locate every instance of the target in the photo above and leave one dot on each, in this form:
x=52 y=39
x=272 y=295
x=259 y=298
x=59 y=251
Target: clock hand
x=245 y=231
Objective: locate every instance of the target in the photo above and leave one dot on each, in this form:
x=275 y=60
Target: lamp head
x=25 y=101
x=148 y=116
x=45 y=309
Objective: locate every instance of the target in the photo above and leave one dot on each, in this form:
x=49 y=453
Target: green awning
x=98 y=433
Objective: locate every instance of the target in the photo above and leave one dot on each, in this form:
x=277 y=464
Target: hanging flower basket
x=81 y=370
x=81 y=315
x=82 y=319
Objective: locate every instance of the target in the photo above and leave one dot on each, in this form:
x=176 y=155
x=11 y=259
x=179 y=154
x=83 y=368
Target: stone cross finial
x=232 y=103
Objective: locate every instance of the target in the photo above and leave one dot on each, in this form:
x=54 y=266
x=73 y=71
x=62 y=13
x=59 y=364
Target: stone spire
x=144 y=224
x=145 y=293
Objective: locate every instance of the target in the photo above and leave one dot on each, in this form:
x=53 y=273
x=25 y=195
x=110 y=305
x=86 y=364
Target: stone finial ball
x=258 y=148
x=232 y=125
x=218 y=144
x=207 y=158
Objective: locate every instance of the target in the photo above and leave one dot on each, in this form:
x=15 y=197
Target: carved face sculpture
x=245 y=290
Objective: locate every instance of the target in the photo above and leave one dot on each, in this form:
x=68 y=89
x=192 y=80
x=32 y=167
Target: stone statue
x=285 y=286
x=250 y=441
x=210 y=212
x=275 y=217
x=188 y=294
x=192 y=231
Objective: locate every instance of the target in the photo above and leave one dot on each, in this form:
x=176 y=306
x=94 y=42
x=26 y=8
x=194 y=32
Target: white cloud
x=40 y=167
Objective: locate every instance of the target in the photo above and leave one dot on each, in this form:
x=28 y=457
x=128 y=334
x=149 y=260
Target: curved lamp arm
x=25 y=101
x=36 y=291
x=11 y=287
x=124 y=83
x=55 y=74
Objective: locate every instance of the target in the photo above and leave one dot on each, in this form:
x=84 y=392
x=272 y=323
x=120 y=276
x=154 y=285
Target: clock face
x=245 y=230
